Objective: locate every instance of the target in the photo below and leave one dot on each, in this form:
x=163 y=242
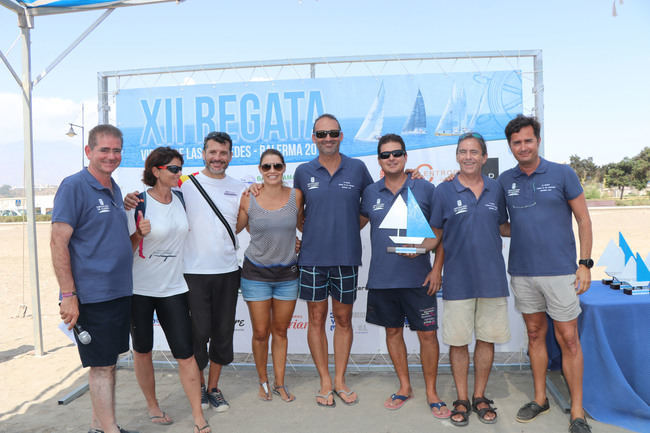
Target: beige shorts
x=555 y=295
x=485 y=317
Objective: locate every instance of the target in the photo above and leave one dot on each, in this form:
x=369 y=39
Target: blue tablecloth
x=615 y=335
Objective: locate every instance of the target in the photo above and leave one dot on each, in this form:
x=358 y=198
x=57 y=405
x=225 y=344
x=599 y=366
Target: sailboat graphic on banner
x=408 y=217
x=416 y=124
x=372 y=125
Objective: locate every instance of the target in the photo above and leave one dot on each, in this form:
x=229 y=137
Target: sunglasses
x=277 y=166
x=396 y=153
x=471 y=135
x=171 y=168
x=334 y=133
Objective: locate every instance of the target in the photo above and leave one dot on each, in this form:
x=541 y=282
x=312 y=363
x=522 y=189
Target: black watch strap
x=589 y=263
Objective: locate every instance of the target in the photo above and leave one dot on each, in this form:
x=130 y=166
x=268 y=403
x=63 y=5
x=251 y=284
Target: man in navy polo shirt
x=541 y=196
x=408 y=293
x=468 y=213
x=92 y=258
x=330 y=253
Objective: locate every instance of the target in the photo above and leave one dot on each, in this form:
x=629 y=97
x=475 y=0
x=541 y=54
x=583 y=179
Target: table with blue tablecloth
x=615 y=336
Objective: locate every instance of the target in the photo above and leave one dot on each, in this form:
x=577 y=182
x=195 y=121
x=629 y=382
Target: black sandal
x=481 y=412
x=463 y=413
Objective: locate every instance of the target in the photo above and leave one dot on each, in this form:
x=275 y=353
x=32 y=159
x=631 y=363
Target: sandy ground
x=32 y=385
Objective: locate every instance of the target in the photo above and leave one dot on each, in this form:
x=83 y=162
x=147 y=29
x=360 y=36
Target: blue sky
x=596 y=66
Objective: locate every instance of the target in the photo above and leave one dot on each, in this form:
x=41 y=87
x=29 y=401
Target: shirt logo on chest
x=101 y=207
x=514 y=191
x=460 y=208
x=491 y=205
x=378 y=206
x=313 y=183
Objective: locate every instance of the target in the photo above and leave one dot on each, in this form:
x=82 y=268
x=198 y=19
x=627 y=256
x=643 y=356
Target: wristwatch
x=589 y=263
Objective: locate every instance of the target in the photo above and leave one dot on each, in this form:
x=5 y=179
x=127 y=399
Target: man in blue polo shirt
x=541 y=196
x=330 y=254
x=468 y=213
x=408 y=293
x=92 y=258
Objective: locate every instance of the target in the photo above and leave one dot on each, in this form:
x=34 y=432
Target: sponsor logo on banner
x=240 y=324
x=298 y=322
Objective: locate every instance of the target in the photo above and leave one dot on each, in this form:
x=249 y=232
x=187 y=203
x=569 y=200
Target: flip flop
x=326 y=398
x=163 y=416
x=347 y=394
x=200 y=429
x=401 y=400
x=276 y=390
x=439 y=405
x=265 y=388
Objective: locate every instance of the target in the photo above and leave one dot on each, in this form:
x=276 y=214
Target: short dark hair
x=219 y=137
x=521 y=121
x=475 y=135
x=390 y=137
x=105 y=129
x=328 y=116
x=272 y=152
x=159 y=156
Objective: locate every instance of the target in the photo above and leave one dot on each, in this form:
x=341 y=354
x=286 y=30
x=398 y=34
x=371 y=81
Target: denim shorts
x=262 y=290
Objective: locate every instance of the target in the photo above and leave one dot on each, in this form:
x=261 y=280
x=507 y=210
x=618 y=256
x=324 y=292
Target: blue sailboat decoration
x=373 y=123
x=416 y=124
x=407 y=216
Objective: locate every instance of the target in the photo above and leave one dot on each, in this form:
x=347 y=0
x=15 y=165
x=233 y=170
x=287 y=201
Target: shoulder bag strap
x=215 y=209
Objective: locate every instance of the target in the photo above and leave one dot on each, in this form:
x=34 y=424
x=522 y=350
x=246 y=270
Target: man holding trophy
x=399 y=205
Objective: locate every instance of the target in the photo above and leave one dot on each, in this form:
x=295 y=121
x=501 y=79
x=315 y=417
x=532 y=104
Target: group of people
x=175 y=253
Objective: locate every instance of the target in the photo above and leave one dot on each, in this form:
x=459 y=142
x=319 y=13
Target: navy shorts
x=108 y=326
x=319 y=282
x=173 y=314
x=389 y=307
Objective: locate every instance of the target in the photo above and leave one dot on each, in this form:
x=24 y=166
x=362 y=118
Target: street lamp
x=71 y=133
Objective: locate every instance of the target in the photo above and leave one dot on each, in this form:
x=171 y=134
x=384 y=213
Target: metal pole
x=539 y=96
x=25 y=28
x=83 y=145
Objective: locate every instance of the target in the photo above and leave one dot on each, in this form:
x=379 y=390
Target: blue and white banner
x=86 y=4
x=429 y=110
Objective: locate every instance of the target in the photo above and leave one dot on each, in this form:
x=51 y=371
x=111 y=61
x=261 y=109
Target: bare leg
x=143 y=367
x=483 y=358
x=342 y=344
x=397 y=352
x=429 y=354
x=282 y=312
x=317 y=340
x=260 y=312
x=101 y=382
x=213 y=375
x=566 y=334
x=537 y=326
x=188 y=372
x=459 y=357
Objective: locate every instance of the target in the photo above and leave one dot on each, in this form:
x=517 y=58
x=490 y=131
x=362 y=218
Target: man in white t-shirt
x=211 y=268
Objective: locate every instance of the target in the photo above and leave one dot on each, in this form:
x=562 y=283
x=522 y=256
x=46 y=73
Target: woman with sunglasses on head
x=159 y=227
x=269 y=283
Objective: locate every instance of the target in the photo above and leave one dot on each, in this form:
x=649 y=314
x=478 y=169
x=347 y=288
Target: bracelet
x=68 y=294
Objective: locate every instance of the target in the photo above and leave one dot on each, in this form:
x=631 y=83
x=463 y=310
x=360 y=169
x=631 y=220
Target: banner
x=429 y=111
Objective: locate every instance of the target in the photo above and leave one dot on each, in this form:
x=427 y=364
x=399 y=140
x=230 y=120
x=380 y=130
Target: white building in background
x=16 y=205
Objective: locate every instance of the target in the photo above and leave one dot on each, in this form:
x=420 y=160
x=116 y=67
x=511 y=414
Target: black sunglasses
x=396 y=153
x=171 y=168
x=334 y=133
x=277 y=166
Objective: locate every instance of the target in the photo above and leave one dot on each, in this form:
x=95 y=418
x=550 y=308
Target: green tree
x=585 y=168
x=618 y=174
